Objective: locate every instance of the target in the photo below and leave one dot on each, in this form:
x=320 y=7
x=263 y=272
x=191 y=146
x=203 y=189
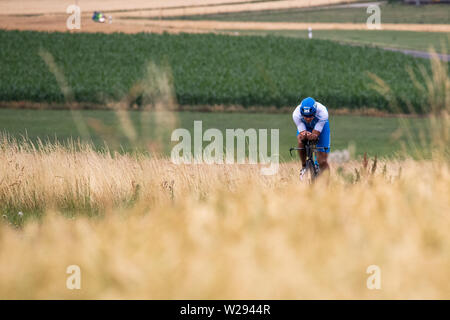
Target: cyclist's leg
x=322 y=159
x=301 y=153
x=324 y=142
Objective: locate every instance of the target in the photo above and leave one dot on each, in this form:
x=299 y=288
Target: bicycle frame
x=311 y=157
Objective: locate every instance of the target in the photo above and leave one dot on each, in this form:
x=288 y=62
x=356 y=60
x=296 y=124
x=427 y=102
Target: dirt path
x=237 y=25
x=57 y=22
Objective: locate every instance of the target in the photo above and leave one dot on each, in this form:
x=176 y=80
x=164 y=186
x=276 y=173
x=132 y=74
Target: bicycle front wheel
x=308 y=175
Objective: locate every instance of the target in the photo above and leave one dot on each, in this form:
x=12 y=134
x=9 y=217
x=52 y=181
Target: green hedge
x=207 y=69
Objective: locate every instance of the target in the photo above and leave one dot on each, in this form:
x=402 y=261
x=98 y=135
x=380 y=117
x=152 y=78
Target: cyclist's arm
x=316 y=131
x=297 y=120
x=322 y=115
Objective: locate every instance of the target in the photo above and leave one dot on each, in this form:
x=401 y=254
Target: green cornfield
x=207 y=69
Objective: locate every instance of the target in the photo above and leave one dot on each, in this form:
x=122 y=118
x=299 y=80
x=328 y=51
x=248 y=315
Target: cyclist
x=311 y=120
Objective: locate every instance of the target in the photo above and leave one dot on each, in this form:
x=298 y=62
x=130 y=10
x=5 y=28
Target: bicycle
x=312 y=169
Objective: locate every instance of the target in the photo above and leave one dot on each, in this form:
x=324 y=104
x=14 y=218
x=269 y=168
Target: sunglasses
x=308 y=117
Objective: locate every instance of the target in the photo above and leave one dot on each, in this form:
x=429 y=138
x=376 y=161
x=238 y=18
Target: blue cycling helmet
x=308 y=107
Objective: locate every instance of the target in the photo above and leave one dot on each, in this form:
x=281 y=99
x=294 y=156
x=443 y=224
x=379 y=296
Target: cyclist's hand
x=312 y=136
x=302 y=136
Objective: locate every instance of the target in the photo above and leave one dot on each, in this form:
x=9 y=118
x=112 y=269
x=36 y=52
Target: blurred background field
x=412 y=40
x=391 y=13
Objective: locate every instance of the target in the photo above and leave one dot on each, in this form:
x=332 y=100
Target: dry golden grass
x=209 y=232
x=244 y=25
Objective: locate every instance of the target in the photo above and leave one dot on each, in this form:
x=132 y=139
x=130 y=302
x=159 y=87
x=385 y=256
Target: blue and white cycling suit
x=319 y=123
